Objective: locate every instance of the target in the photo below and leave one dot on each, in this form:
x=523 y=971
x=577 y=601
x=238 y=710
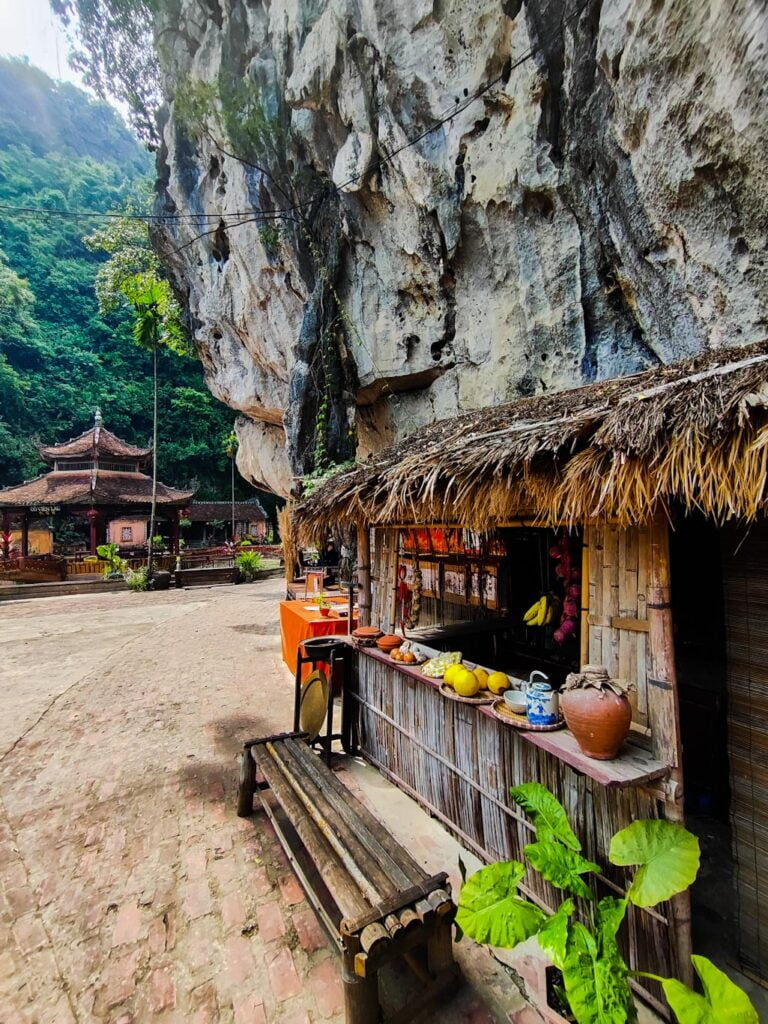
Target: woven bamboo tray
x=452 y=695
x=520 y=721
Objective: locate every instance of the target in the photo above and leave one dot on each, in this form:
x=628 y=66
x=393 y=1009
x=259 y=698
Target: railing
x=30 y=566
x=113 y=467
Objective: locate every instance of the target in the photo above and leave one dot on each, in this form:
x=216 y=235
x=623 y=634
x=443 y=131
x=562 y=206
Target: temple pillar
x=93 y=518
x=6 y=534
x=175 y=516
x=24 y=534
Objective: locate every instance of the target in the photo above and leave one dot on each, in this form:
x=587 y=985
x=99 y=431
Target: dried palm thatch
x=694 y=433
x=286 y=526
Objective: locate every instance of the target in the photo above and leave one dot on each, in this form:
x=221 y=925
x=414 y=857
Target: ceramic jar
x=596 y=711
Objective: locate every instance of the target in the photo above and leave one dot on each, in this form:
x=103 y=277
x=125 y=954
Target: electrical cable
x=387 y=158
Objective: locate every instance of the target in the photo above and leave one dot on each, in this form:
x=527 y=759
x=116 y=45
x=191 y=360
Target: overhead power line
x=246 y=217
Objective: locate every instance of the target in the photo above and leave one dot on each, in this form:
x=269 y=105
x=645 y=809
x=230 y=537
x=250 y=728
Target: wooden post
x=247 y=786
x=92 y=516
x=584 y=637
x=175 y=532
x=440 y=949
x=664 y=720
x=361 y=994
x=25 y=534
x=6 y=534
x=394 y=540
x=364 y=600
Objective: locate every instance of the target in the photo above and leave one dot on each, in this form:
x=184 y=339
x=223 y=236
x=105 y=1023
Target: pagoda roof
x=91 y=487
x=95 y=441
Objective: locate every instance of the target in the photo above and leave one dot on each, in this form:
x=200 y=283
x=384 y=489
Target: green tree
x=63 y=350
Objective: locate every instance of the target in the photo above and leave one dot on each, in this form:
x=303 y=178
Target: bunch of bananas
x=541 y=612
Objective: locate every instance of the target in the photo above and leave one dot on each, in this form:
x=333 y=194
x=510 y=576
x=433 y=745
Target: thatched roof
x=694 y=432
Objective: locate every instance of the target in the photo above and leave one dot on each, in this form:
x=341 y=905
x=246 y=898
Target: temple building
x=98 y=477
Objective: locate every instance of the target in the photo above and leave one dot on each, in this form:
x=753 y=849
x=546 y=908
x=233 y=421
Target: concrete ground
x=130 y=891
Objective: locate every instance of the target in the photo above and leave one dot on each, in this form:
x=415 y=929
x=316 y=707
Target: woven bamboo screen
x=618 y=625
x=745 y=579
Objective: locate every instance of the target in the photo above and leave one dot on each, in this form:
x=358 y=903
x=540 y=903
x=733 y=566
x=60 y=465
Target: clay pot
x=325 y=611
x=599 y=719
x=389 y=642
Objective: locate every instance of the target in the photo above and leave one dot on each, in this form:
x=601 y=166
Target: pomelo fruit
x=465 y=683
x=450 y=672
x=498 y=682
x=482 y=678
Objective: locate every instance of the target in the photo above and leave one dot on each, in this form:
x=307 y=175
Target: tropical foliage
x=61 y=355
x=249 y=563
x=584 y=945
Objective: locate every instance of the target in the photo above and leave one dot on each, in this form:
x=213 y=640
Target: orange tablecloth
x=297 y=624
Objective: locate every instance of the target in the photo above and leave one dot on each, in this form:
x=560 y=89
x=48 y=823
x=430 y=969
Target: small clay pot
x=599 y=719
x=325 y=612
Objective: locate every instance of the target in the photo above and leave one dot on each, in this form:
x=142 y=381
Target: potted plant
x=250 y=564
x=115 y=567
x=596 y=977
x=322 y=604
x=597 y=710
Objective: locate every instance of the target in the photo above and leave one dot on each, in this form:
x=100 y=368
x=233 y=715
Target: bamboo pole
x=585 y=574
x=664 y=720
x=364 y=597
x=394 y=540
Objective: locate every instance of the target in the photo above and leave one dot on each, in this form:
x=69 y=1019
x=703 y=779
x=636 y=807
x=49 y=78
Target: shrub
x=137 y=579
x=116 y=565
x=249 y=563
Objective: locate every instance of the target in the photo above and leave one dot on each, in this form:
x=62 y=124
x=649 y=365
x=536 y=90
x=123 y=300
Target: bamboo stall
x=626 y=473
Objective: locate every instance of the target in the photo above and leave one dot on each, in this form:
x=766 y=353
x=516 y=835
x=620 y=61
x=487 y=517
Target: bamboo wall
x=460 y=764
x=618 y=580
x=745 y=579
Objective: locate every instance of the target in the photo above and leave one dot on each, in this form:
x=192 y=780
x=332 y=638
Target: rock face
x=593 y=203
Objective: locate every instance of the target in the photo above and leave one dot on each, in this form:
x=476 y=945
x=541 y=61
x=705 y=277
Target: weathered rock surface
x=600 y=208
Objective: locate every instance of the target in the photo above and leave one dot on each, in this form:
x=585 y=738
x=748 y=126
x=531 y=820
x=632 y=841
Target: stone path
x=130 y=890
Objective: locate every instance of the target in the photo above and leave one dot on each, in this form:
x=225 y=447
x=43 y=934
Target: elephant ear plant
x=595 y=973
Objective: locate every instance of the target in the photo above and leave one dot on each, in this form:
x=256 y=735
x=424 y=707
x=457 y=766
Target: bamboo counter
x=459 y=761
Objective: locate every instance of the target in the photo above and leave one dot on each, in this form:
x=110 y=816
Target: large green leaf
x=561 y=866
x=490 y=910
x=668 y=855
x=597 y=986
x=548 y=814
x=553 y=934
x=610 y=914
x=723 y=1001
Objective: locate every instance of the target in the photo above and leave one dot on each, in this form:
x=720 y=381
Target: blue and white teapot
x=542 y=701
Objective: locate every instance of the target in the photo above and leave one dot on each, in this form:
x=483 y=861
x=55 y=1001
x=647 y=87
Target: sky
x=28 y=28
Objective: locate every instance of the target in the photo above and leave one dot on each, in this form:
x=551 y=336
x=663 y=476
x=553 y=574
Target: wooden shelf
x=633 y=767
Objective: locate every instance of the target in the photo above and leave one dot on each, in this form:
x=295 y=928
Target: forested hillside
x=59 y=357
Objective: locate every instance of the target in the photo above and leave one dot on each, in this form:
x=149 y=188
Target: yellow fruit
x=450 y=672
x=482 y=678
x=498 y=682
x=465 y=683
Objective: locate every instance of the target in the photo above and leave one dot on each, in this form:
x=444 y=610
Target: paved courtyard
x=130 y=890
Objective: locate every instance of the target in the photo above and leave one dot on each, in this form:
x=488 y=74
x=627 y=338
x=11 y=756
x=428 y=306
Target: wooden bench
x=377 y=903
x=208 y=576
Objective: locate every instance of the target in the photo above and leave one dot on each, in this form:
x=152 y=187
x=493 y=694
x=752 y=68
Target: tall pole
x=233 y=496
x=153 y=512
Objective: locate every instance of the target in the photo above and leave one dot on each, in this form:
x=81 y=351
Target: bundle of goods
x=408 y=654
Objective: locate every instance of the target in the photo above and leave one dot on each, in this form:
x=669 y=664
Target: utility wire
x=448 y=115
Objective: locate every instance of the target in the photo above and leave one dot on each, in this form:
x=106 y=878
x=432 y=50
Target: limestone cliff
x=600 y=208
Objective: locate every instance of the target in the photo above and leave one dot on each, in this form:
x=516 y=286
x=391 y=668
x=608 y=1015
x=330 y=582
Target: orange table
x=297 y=624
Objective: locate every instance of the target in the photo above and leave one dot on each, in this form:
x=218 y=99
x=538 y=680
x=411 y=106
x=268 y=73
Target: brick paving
x=130 y=891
